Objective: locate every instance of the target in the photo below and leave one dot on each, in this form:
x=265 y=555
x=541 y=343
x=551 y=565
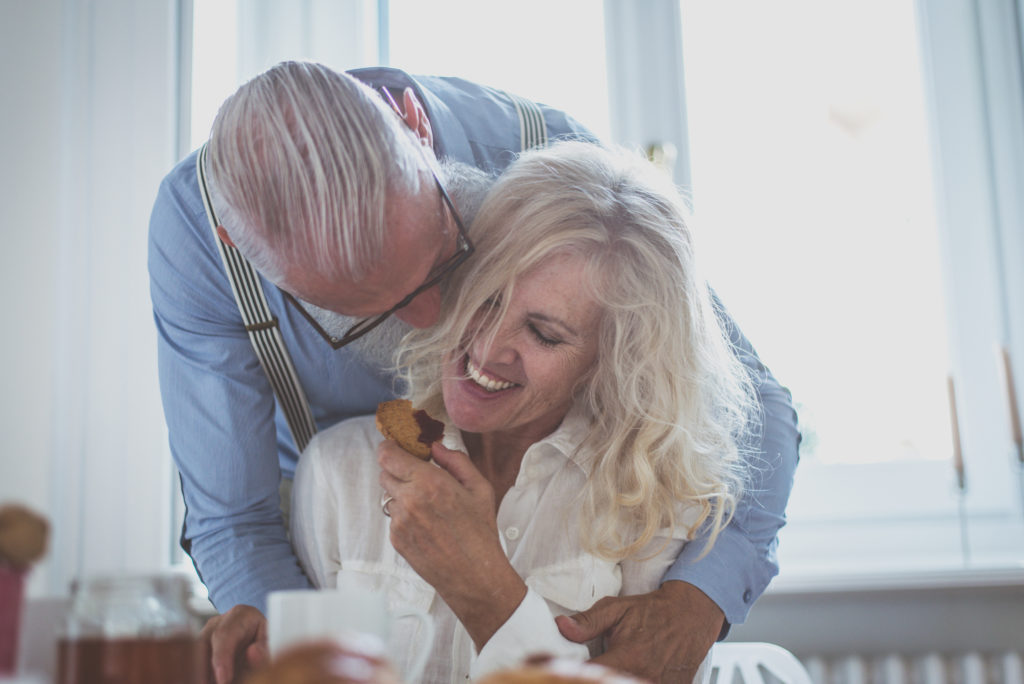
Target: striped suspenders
x=533 y=131
x=262 y=326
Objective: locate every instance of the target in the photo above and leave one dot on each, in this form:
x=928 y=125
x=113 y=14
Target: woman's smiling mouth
x=488 y=383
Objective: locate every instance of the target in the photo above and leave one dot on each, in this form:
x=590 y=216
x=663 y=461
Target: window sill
x=832 y=582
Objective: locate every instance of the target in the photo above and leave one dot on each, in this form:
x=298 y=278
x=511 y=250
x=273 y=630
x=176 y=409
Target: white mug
x=298 y=615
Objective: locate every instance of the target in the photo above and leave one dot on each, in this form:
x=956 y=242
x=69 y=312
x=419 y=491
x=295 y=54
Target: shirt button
x=512 y=533
x=747 y=596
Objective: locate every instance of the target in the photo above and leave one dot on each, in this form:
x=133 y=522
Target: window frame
x=971 y=52
x=972 y=71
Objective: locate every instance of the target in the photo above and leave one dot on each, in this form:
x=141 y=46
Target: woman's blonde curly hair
x=667 y=400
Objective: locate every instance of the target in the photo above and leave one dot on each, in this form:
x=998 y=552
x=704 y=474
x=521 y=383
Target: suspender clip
x=262 y=325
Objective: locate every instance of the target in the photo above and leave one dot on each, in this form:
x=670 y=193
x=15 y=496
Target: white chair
x=755 y=663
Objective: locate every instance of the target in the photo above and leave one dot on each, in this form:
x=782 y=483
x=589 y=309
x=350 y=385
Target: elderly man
x=316 y=211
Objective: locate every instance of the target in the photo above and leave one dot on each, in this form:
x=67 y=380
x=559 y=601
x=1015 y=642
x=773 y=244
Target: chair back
x=755 y=663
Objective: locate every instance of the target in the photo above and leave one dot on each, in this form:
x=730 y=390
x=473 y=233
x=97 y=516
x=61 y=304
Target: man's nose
x=423 y=311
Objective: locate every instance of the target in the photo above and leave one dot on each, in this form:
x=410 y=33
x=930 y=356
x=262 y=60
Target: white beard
x=376 y=348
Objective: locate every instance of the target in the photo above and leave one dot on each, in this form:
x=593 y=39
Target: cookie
x=413 y=429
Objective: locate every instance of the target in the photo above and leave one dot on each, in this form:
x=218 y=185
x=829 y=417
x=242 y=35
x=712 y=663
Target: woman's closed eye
x=545 y=340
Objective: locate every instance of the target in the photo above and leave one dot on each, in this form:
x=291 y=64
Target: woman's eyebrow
x=538 y=316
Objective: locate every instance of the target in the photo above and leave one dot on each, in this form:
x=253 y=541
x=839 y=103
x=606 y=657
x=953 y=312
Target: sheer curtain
x=95 y=132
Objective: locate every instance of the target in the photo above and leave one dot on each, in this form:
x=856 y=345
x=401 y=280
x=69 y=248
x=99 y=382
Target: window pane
x=214 y=62
x=813 y=191
x=551 y=52
x=233 y=40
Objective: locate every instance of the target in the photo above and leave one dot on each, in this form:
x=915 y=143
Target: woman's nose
x=499 y=349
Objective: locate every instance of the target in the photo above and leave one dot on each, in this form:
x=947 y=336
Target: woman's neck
x=497 y=455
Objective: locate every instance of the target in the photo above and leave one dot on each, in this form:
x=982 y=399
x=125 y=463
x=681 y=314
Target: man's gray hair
x=467 y=186
x=301 y=162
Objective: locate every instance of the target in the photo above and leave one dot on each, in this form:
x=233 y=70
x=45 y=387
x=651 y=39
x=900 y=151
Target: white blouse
x=337 y=526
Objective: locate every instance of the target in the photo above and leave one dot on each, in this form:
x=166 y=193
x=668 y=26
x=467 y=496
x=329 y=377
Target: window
x=233 y=41
x=854 y=187
x=551 y=52
x=813 y=170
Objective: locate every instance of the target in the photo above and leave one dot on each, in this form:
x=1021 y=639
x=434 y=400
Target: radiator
x=917 y=668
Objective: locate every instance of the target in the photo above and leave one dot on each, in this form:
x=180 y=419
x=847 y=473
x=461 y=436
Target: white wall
x=29 y=121
x=943 y=612
x=88 y=125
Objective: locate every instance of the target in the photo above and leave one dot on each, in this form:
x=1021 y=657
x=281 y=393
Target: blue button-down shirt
x=232 y=445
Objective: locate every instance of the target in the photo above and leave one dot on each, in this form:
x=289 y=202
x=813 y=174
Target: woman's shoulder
x=352 y=438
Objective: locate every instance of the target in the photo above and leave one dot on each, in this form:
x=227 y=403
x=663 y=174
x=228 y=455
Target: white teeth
x=489 y=384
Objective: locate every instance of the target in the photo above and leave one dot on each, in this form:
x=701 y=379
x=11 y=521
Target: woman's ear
x=415 y=117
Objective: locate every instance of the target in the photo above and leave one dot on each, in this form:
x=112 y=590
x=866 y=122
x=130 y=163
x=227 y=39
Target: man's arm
x=662 y=636
x=742 y=562
x=218 y=407
x=700 y=597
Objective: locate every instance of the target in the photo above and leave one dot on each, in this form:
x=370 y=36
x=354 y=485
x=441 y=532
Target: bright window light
x=812 y=190
x=550 y=52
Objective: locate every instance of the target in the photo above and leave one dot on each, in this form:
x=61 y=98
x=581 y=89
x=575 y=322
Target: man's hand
x=662 y=636
x=236 y=642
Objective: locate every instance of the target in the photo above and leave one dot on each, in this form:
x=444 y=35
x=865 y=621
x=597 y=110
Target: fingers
x=399 y=468
x=257 y=655
x=594 y=621
x=397 y=462
x=571 y=629
x=231 y=637
x=459 y=465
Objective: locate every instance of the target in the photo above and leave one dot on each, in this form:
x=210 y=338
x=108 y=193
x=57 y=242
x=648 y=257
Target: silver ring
x=384 y=505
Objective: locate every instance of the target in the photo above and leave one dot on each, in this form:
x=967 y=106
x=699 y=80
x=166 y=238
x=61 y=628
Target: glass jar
x=128 y=630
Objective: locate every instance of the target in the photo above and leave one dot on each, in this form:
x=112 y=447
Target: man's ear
x=415 y=117
x=223 y=235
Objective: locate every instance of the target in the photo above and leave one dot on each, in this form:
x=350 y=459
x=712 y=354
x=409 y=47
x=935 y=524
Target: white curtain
x=97 y=86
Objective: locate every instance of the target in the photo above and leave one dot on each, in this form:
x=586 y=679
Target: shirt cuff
x=530 y=630
x=733 y=574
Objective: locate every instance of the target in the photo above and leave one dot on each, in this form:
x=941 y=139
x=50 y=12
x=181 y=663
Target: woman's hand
x=443 y=522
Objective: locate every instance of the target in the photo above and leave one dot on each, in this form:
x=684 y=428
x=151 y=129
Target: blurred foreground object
x=23 y=537
x=328 y=662
x=131 y=628
x=757 y=663
x=547 y=670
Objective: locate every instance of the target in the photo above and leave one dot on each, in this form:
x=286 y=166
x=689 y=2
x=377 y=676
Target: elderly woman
x=592 y=408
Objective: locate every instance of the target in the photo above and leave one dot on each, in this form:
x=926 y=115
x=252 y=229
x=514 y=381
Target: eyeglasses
x=463 y=250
